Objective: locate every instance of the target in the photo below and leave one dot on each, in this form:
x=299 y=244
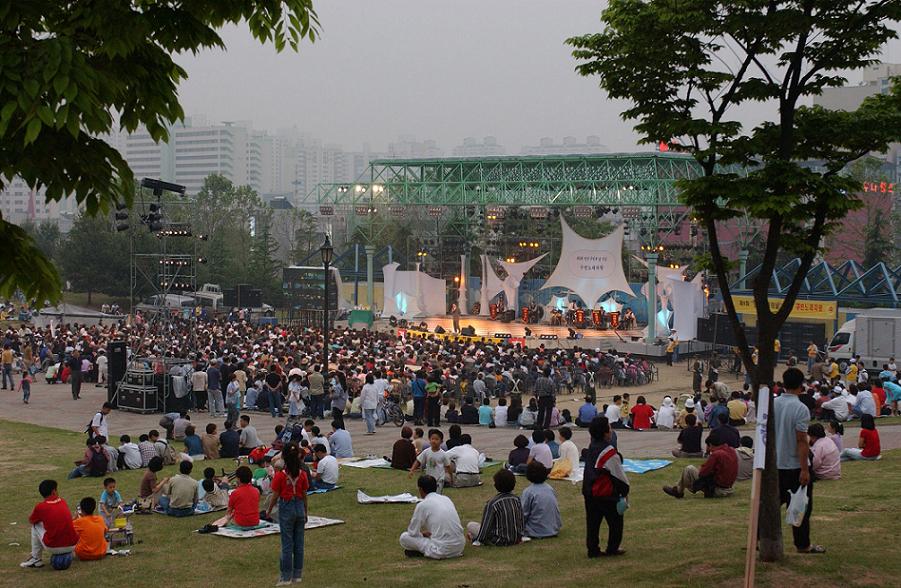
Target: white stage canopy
x=412 y=294
x=590 y=267
x=515 y=272
x=491 y=286
x=688 y=305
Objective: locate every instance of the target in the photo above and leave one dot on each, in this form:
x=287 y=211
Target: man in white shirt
x=100 y=422
x=435 y=530
x=464 y=464
x=839 y=406
x=131 y=453
x=500 y=413
x=326 y=475
x=102 y=363
x=614 y=413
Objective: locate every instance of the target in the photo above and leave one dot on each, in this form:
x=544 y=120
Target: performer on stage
x=455 y=314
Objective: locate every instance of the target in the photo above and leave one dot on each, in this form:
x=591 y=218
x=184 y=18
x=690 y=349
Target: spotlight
x=202 y=260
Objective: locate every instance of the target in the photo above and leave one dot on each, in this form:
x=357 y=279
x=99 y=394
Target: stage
x=630 y=341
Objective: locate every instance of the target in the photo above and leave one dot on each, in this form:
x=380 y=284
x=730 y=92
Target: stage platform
x=623 y=341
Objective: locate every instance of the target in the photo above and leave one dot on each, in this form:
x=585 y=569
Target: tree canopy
x=688 y=69
x=73 y=72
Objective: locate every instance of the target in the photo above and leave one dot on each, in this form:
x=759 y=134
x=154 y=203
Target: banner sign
x=811 y=309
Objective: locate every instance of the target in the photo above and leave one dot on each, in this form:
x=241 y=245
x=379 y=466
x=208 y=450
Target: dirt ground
x=53 y=406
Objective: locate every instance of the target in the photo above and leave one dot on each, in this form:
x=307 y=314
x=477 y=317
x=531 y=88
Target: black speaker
x=468 y=330
x=717 y=329
x=439 y=329
x=116 y=355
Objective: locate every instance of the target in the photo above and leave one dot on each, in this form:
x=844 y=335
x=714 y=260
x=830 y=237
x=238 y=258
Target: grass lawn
x=692 y=542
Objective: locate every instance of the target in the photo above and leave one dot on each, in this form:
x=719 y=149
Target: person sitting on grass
x=868 y=446
x=403 y=453
x=469 y=414
x=243 y=502
x=825 y=456
x=551 y=439
x=587 y=412
x=51 y=526
x=110 y=501
x=568 y=449
x=326 y=474
x=181 y=492
x=540 y=450
x=717 y=475
x=520 y=455
x=210 y=442
x=502 y=519
x=540 y=509
x=434 y=530
x=464 y=464
x=91 y=530
x=745 y=454
x=193 y=444
x=151 y=489
x=690 y=438
x=95 y=462
x=486 y=413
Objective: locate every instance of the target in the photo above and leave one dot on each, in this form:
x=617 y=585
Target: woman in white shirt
x=666 y=414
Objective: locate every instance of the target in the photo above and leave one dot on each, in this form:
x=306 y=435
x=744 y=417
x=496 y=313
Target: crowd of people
x=234 y=370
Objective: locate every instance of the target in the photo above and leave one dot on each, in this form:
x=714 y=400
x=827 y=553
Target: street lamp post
x=327 y=251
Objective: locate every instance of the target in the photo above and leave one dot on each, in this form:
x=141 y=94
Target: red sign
x=880 y=187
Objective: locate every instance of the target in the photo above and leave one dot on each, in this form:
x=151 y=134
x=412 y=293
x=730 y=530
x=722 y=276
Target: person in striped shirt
x=502 y=521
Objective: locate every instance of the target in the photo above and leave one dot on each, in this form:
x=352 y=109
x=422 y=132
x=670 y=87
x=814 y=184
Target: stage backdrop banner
x=590 y=267
x=412 y=294
x=515 y=272
x=687 y=300
x=491 y=286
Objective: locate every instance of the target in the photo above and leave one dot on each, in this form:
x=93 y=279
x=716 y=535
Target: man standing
x=214 y=389
x=199 y=380
x=812 y=351
x=102 y=366
x=7 y=360
x=791 y=419
x=317 y=391
x=455 y=316
x=74 y=365
x=100 y=424
x=418 y=389
x=544 y=391
x=435 y=530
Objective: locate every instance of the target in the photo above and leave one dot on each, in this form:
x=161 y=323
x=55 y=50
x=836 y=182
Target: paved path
x=53 y=406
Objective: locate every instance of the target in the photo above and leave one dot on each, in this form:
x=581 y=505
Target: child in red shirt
x=51 y=526
x=868 y=446
x=244 y=501
x=641 y=414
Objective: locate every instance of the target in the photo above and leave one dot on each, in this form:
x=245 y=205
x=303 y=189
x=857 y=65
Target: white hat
x=690 y=403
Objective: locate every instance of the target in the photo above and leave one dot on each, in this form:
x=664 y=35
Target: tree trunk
x=90 y=292
x=770 y=518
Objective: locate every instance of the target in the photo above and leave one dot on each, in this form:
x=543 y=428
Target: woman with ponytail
x=289 y=492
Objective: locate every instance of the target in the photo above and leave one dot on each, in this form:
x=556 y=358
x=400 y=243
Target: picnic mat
x=322 y=490
x=405 y=498
x=267 y=528
x=368 y=463
x=488 y=463
x=201 y=509
x=632 y=466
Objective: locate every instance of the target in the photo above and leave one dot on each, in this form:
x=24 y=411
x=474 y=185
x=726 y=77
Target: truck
x=874 y=334
x=209 y=296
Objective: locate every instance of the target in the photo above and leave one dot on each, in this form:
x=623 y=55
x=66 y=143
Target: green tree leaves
x=73 y=72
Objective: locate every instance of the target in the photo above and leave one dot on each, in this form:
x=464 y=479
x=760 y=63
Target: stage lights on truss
x=175 y=285
x=494 y=213
x=397 y=210
x=175 y=230
x=328 y=209
x=502 y=335
x=365 y=210
x=583 y=211
x=538 y=212
x=436 y=211
x=529 y=244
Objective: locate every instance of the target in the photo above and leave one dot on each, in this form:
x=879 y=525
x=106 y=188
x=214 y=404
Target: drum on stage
x=525 y=314
x=614 y=320
x=492 y=308
x=580 y=317
x=597 y=317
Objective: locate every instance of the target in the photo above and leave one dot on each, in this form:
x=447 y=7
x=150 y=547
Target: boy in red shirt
x=244 y=501
x=51 y=526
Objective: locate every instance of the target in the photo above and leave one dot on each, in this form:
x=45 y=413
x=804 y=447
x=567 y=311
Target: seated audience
x=403 y=453
x=745 y=454
x=689 y=438
x=551 y=439
x=716 y=476
x=868 y=447
x=568 y=449
x=500 y=413
x=435 y=530
x=339 y=440
x=587 y=412
x=193 y=444
x=180 y=492
x=244 y=502
x=486 y=413
x=51 y=526
x=469 y=415
x=737 y=408
x=229 y=441
x=326 y=474
x=151 y=489
x=540 y=450
x=666 y=415
x=540 y=510
x=130 y=453
x=464 y=464
x=519 y=455
x=502 y=518
x=210 y=442
x=91 y=530
x=825 y=456
x=96 y=460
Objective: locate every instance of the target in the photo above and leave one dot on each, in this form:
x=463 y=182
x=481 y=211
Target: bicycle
x=392 y=412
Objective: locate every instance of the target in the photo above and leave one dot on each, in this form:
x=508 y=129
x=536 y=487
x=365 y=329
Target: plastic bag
x=797 y=506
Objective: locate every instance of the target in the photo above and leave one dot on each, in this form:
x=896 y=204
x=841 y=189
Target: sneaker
x=673 y=491
x=283 y=583
x=32 y=562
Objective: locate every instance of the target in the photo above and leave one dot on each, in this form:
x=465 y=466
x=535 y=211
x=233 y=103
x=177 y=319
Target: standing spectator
x=74 y=365
x=604 y=488
x=100 y=422
x=418 y=388
x=289 y=492
x=102 y=366
x=7 y=359
x=199 y=381
x=544 y=391
x=792 y=419
x=317 y=392
x=369 y=402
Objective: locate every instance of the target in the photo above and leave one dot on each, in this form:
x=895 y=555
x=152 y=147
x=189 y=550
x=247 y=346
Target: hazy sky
x=434 y=69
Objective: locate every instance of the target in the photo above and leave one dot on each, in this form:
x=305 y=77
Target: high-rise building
x=21 y=204
x=570 y=146
x=472 y=147
x=407 y=147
